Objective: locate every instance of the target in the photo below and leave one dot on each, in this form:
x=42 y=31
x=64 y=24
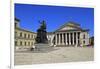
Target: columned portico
x=70 y=35
x=69 y=38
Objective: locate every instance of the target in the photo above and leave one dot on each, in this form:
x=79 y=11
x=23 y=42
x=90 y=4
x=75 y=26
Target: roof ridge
x=73 y=23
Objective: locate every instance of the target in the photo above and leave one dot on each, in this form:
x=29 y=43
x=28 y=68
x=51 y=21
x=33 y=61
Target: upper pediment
x=69 y=26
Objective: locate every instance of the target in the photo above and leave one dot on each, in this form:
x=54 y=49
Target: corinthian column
x=62 y=39
x=56 y=40
x=69 y=39
x=66 y=38
x=73 y=38
x=59 y=40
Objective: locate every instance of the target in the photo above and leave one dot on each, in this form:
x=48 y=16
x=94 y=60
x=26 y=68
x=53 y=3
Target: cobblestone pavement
x=55 y=55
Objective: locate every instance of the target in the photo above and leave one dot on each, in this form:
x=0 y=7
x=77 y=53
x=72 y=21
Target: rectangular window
x=25 y=35
x=28 y=35
x=21 y=43
x=84 y=36
x=21 y=34
x=15 y=25
x=25 y=43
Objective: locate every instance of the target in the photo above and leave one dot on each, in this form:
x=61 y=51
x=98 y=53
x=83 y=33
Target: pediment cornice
x=70 y=26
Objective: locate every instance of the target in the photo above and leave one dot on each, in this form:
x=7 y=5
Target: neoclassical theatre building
x=69 y=34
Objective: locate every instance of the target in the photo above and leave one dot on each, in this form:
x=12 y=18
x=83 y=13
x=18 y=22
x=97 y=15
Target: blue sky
x=55 y=16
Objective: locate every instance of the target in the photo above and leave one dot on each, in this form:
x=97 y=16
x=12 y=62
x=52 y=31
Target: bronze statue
x=41 y=33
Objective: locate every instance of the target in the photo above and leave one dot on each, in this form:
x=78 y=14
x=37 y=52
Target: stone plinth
x=42 y=47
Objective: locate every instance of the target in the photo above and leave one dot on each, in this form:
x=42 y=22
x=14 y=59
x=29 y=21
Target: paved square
x=56 y=55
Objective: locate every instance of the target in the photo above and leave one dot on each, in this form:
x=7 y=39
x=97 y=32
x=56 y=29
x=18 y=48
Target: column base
x=66 y=44
x=69 y=43
x=62 y=44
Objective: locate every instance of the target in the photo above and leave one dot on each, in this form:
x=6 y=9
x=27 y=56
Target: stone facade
x=69 y=34
x=23 y=38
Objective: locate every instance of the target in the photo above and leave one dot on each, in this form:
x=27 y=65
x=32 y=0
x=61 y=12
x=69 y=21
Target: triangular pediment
x=69 y=26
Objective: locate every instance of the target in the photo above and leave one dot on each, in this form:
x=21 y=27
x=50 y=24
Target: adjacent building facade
x=23 y=38
x=69 y=34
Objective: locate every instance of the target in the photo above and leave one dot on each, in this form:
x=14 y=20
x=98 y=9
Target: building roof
x=72 y=30
x=25 y=30
x=74 y=23
x=71 y=24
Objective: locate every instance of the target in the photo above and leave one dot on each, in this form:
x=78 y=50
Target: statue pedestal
x=42 y=47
